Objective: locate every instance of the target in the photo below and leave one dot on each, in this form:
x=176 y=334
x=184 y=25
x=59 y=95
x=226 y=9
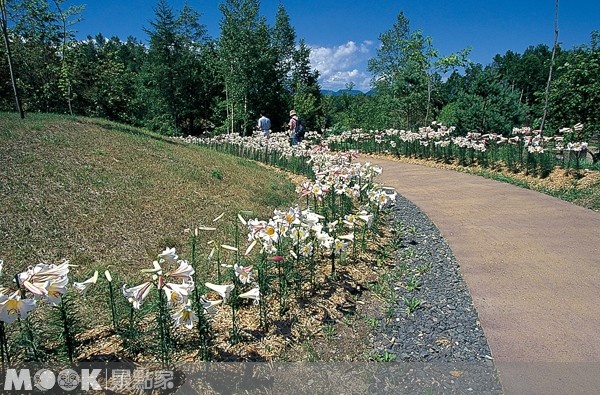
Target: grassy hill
x=106 y=195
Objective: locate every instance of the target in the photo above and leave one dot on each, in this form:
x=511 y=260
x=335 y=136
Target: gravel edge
x=445 y=331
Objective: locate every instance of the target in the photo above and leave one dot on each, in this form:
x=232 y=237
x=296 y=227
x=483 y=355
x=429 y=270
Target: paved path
x=532 y=265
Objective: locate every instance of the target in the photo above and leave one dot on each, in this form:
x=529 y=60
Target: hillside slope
x=106 y=195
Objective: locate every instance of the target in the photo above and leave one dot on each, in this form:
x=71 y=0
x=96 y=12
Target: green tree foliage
x=406 y=73
x=243 y=41
x=283 y=42
x=575 y=91
x=263 y=70
x=9 y=62
x=483 y=103
x=176 y=83
x=306 y=92
x=183 y=82
x=103 y=77
x=527 y=74
x=40 y=33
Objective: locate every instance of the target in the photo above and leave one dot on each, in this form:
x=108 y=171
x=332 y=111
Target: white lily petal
x=107 y=275
x=250 y=247
x=219 y=217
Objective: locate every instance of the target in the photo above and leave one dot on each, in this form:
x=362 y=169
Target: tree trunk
x=428 y=100
x=547 y=93
x=9 y=58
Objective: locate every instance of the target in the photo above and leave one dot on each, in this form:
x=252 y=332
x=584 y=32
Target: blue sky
x=343 y=35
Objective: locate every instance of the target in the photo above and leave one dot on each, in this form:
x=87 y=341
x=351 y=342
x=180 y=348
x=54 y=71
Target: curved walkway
x=532 y=265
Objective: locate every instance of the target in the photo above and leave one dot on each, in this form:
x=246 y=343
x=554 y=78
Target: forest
x=184 y=82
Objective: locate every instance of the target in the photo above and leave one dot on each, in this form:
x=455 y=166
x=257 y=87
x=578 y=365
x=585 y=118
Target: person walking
x=292 y=126
x=264 y=124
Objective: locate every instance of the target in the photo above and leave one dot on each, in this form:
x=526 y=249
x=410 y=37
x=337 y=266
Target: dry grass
x=71 y=189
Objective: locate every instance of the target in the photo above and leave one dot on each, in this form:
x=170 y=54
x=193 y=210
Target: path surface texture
x=532 y=265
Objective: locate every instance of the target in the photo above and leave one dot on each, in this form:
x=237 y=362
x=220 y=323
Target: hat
x=292 y=113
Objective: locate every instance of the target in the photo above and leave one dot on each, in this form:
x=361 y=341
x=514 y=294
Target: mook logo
x=44 y=380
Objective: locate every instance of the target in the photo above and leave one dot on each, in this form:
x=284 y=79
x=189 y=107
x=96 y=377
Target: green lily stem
x=4 y=354
x=113 y=309
x=163 y=327
x=26 y=323
x=68 y=335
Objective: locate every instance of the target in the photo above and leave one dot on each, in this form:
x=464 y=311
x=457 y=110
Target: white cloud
x=342 y=64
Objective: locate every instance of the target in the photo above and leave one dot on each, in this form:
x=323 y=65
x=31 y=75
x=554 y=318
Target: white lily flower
x=367 y=219
x=56 y=289
x=184 y=271
x=269 y=233
x=209 y=305
x=169 y=255
x=306 y=250
x=223 y=290
x=243 y=273
x=339 y=246
x=136 y=295
x=177 y=293
x=13 y=306
x=184 y=315
x=254 y=294
x=43 y=272
x=82 y=287
x=311 y=217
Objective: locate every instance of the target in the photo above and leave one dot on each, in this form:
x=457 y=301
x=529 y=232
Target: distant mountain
x=341 y=92
x=328 y=92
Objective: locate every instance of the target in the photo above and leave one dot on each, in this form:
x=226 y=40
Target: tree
x=175 y=76
x=576 y=90
x=243 y=38
x=43 y=35
x=4 y=22
x=283 y=41
x=406 y=72
x=305 y=87
x=159 y=70
x=484 y=103
x=66 y=36
x=38 y=28
x=527 y=74
x=547 y=91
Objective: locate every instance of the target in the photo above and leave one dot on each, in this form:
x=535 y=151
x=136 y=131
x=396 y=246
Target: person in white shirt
x=264 y=124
